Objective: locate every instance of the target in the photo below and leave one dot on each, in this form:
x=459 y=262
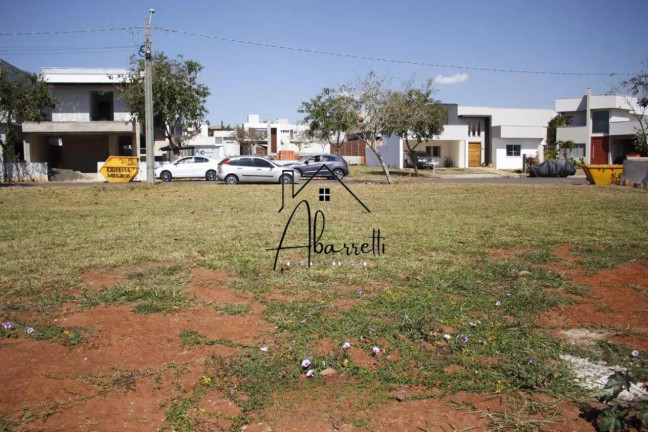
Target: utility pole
x=148 y=103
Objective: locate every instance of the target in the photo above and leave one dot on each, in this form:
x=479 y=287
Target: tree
x=415 y=116
x=330 y=116
x=247 y=139
x=565 y=147
x=178 y=98
x=372 y=94
x=23 y=96
x=635 y=92
x=560 y=120
x=302 y=138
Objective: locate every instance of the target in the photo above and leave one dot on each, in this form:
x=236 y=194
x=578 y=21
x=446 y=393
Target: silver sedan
x=255 y=169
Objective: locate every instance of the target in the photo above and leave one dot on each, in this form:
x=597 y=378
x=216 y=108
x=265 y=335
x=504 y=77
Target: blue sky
x=539 y=35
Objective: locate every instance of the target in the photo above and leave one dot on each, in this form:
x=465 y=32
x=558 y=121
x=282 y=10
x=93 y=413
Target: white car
x=188 y=167
x=255 y=169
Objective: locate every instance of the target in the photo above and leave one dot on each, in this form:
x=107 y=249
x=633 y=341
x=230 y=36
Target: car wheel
x=211 y=175
x=338 y=173
x=286 y=178
x=231 y=179
x=166 y=176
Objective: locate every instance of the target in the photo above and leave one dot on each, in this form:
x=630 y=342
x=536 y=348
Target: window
x=101 y=106
x=245 y=162
x=184 y=161
x=513 y=149
x=434 y=151
x=260 y=163
x=200 y=160
x=600 y=121
x=325 y=194
x=330 y=158
x=577 y=152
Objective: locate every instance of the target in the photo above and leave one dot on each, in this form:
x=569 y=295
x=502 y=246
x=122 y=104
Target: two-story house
x=602 y=126
x=476 y=136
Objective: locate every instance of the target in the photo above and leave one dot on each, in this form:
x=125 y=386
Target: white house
x=602 y=126
x=281 y=135
x=476 y=136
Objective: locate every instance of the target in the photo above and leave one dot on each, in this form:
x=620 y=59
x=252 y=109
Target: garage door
x=474 y=154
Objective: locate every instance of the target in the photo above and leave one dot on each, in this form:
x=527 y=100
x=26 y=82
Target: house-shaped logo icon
x=322 y=171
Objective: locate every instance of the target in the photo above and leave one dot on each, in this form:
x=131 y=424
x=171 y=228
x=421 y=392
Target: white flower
x=472 y=324
x=346 y=345
x=364 y=263
x=30 y=330
x=288 y=263
x=634 y=353
x=264 y=349
x=310 y=373
x=375 y=350
x=447 y=337
x=497 y=303
x=305 y=363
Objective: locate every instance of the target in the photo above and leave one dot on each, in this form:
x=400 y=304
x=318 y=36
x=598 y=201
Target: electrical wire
x=361 y=57
x=313 y=51
x=71 y=31
x=15 y=51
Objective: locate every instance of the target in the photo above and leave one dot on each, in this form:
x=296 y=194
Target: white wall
x=74 y=103
x=391 y=152
x=529 y=147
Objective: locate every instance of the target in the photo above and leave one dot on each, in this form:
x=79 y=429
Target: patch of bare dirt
x=331 y=408
x=346 y=303
x=214 y=413
x=41 y=371
x=207 y=285
x=97 y=279
x=507 y=253
x=611 y=302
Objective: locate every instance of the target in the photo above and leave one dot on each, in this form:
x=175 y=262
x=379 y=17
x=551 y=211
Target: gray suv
x=312 y=165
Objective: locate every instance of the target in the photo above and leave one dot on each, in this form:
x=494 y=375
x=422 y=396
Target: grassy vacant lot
x=438 y=276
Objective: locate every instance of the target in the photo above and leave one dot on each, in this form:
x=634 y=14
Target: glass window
x=577 y=152
x=260 y=163
x=513 y=149
x=600 y=121
x=200 y=160
x=330 y=158
x=184 y=161
x=436 y=151
x=245 y=162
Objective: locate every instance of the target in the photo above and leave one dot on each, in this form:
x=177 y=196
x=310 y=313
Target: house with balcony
x=89 y=123
x=477 y=136
x=602 y=126
x=282 y=136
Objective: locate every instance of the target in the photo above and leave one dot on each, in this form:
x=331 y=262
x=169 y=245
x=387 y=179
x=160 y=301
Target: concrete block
x=635 y=170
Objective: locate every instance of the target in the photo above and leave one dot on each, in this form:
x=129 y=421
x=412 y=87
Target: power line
x=110 y=29
x=386 y=60
x=26 y=51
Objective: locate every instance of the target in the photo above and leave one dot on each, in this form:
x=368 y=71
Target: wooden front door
x=474 y=154
x=273 y=140
x=600 y=150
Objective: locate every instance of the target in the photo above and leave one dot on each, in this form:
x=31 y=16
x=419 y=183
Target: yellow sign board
x=120 y=169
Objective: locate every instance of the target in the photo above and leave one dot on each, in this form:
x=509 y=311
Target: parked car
x=188 y=167
x=255 y=169
x=423 y=161
x=310 y=165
